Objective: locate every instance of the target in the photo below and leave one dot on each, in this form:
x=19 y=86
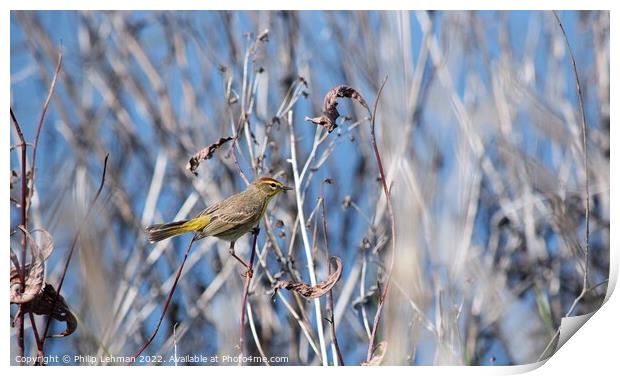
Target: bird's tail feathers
x=163 y=231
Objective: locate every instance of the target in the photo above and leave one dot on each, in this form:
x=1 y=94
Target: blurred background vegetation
x=480 y=132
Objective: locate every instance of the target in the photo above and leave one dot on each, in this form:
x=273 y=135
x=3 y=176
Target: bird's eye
x=272 y=185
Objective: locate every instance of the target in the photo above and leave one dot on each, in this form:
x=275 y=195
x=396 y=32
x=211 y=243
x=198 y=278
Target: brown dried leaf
x=43 y=304
x=313 y=292
x=205 y=154
x=35 y=271
x=47 y=243
x=377 y=355
x=39 y=297
x=330 y=103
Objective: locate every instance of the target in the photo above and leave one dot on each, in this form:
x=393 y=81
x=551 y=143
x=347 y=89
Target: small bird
x=228 y=219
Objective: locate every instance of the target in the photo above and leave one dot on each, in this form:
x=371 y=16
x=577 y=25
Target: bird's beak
x=285 y=188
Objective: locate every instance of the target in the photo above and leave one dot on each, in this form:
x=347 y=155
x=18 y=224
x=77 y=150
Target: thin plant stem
x=330 y=296
x=388 y=199
x=26 y=196
x=73 y=244
x=248 y=307
x=41 y=119
x=584 y=288
x=584 y=141
x=22 y=271
x=166 y=304
x=246 y=287
x=304 y=237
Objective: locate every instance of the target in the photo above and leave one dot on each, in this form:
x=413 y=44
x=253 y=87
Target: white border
x=594 y=348
x=314 y=4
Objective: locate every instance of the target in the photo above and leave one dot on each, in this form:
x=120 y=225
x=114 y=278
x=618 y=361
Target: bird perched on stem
x=228 y=219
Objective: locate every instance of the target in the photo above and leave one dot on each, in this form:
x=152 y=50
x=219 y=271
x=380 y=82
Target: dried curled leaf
x=38 y=297
x=34 y=271
x=377 y=355
x=43 y=304
x=313 y=292
x=330 y=104
x=205 y=154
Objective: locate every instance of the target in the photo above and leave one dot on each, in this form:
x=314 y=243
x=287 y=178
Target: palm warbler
x=228 y=219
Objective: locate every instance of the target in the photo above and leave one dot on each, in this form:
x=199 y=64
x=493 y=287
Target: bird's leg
x=232 y=253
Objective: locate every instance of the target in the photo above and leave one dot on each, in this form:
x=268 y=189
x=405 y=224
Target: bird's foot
x=233 y=254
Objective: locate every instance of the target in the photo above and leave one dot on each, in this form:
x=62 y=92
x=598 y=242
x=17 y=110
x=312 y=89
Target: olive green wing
x=224 y=218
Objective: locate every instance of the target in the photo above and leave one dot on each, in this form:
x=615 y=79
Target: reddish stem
x=168 y=299
x=72 y=248
x=246 y=287
x=24 y=220
x=26 y=195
